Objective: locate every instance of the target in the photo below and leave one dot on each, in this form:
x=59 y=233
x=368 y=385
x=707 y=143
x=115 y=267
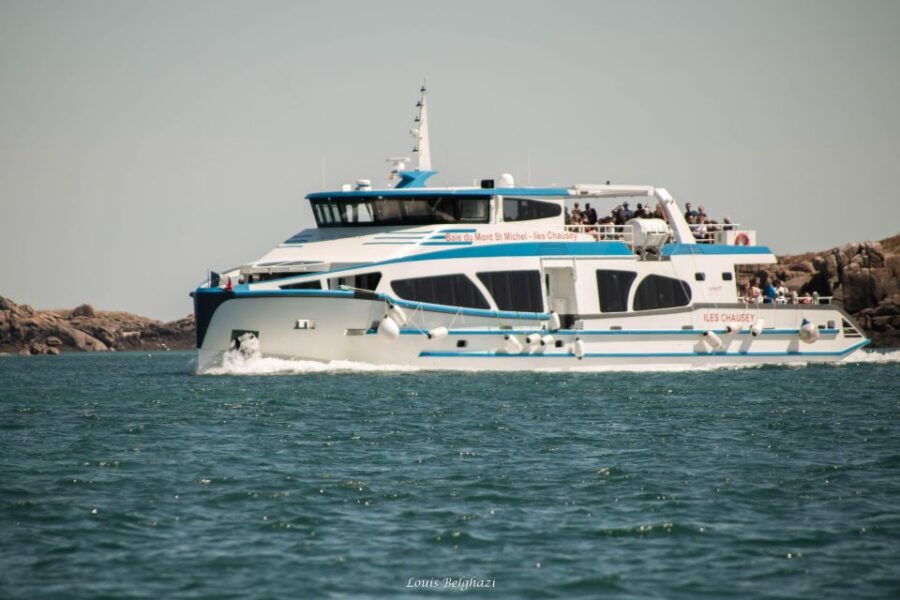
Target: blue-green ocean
x=128 y=476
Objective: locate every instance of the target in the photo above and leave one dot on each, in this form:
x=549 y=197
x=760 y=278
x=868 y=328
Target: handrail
x=813 y=299
x=604 y=231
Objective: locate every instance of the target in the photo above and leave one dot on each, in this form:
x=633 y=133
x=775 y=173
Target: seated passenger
x=755 y=292
x=782 y=292
x=607 y=229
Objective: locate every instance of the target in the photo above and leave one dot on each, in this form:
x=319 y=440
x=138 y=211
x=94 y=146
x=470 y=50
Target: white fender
x=757 y=327
x=533 y=339
x=397 y=314
x=714 y=341
x=808 y=332
x=388 y=330
x=512 y=345
x=547 y=340
x=734 y=328
x=438 y=333
x=553 y=323
x=578 y=348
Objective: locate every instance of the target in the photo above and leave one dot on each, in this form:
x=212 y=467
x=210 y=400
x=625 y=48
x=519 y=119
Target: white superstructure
x=492 y=277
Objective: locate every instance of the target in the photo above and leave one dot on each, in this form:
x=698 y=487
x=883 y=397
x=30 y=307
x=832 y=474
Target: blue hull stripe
x=586 y=332
x=494 y=354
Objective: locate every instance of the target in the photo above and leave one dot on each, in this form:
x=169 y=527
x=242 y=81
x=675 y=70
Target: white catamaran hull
x=330 y=328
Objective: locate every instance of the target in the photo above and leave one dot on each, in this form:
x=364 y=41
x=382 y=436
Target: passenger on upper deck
x=577 y=217
x=688 y=212
x=782 y=293
x=770 y=293
x=590 y=215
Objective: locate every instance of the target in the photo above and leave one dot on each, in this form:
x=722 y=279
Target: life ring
x=742 y=239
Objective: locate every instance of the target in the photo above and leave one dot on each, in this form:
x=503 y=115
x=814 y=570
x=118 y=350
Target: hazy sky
x=144 y=142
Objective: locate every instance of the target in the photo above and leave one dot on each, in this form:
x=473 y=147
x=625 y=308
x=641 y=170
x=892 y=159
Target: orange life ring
x=742 y=239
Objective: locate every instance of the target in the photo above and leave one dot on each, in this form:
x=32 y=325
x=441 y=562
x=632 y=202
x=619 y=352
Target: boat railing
x=605 y=232
x=712 y=233
x=715 y=233
x=806 y=299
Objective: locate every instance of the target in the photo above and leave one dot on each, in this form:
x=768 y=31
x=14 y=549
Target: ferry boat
x=491 y=277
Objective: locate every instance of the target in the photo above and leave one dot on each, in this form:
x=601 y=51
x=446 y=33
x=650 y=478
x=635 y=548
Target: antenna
x=422 y=147
x=529 y=167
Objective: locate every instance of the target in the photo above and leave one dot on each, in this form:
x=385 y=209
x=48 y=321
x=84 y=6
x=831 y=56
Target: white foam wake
x=247 y=360
x=875 y=356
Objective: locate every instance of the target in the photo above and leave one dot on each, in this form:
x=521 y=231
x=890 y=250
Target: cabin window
x=452 y=290
x=515 y=290
x=406 y=210
x=362 y=281
x=520 y=209
x=656 y=291
x=613 y=288
x=303 y=285
x=727 y=276
x=700 y=276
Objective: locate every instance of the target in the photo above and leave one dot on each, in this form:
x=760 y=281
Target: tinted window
x=515 y=290
x=303 y=285
x=408 y=210
x=520 y=209
x=613 y=288
x=363 y=281
x=656 y=291
x=453 y=290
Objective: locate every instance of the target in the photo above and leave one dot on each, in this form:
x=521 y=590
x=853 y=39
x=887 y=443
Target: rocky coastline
x=863 y=277
x=26 y=331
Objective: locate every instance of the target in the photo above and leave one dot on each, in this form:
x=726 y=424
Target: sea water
x=128 y=475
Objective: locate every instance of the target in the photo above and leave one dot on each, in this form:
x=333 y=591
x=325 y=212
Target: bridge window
x=407 y=210
x=656 y=291
x=515 y=290
x=613 y=288
x=452 y=290
x=520 y=209
x=362 y=281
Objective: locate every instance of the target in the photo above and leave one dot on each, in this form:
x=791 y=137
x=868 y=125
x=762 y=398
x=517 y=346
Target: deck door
x=559 y=282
